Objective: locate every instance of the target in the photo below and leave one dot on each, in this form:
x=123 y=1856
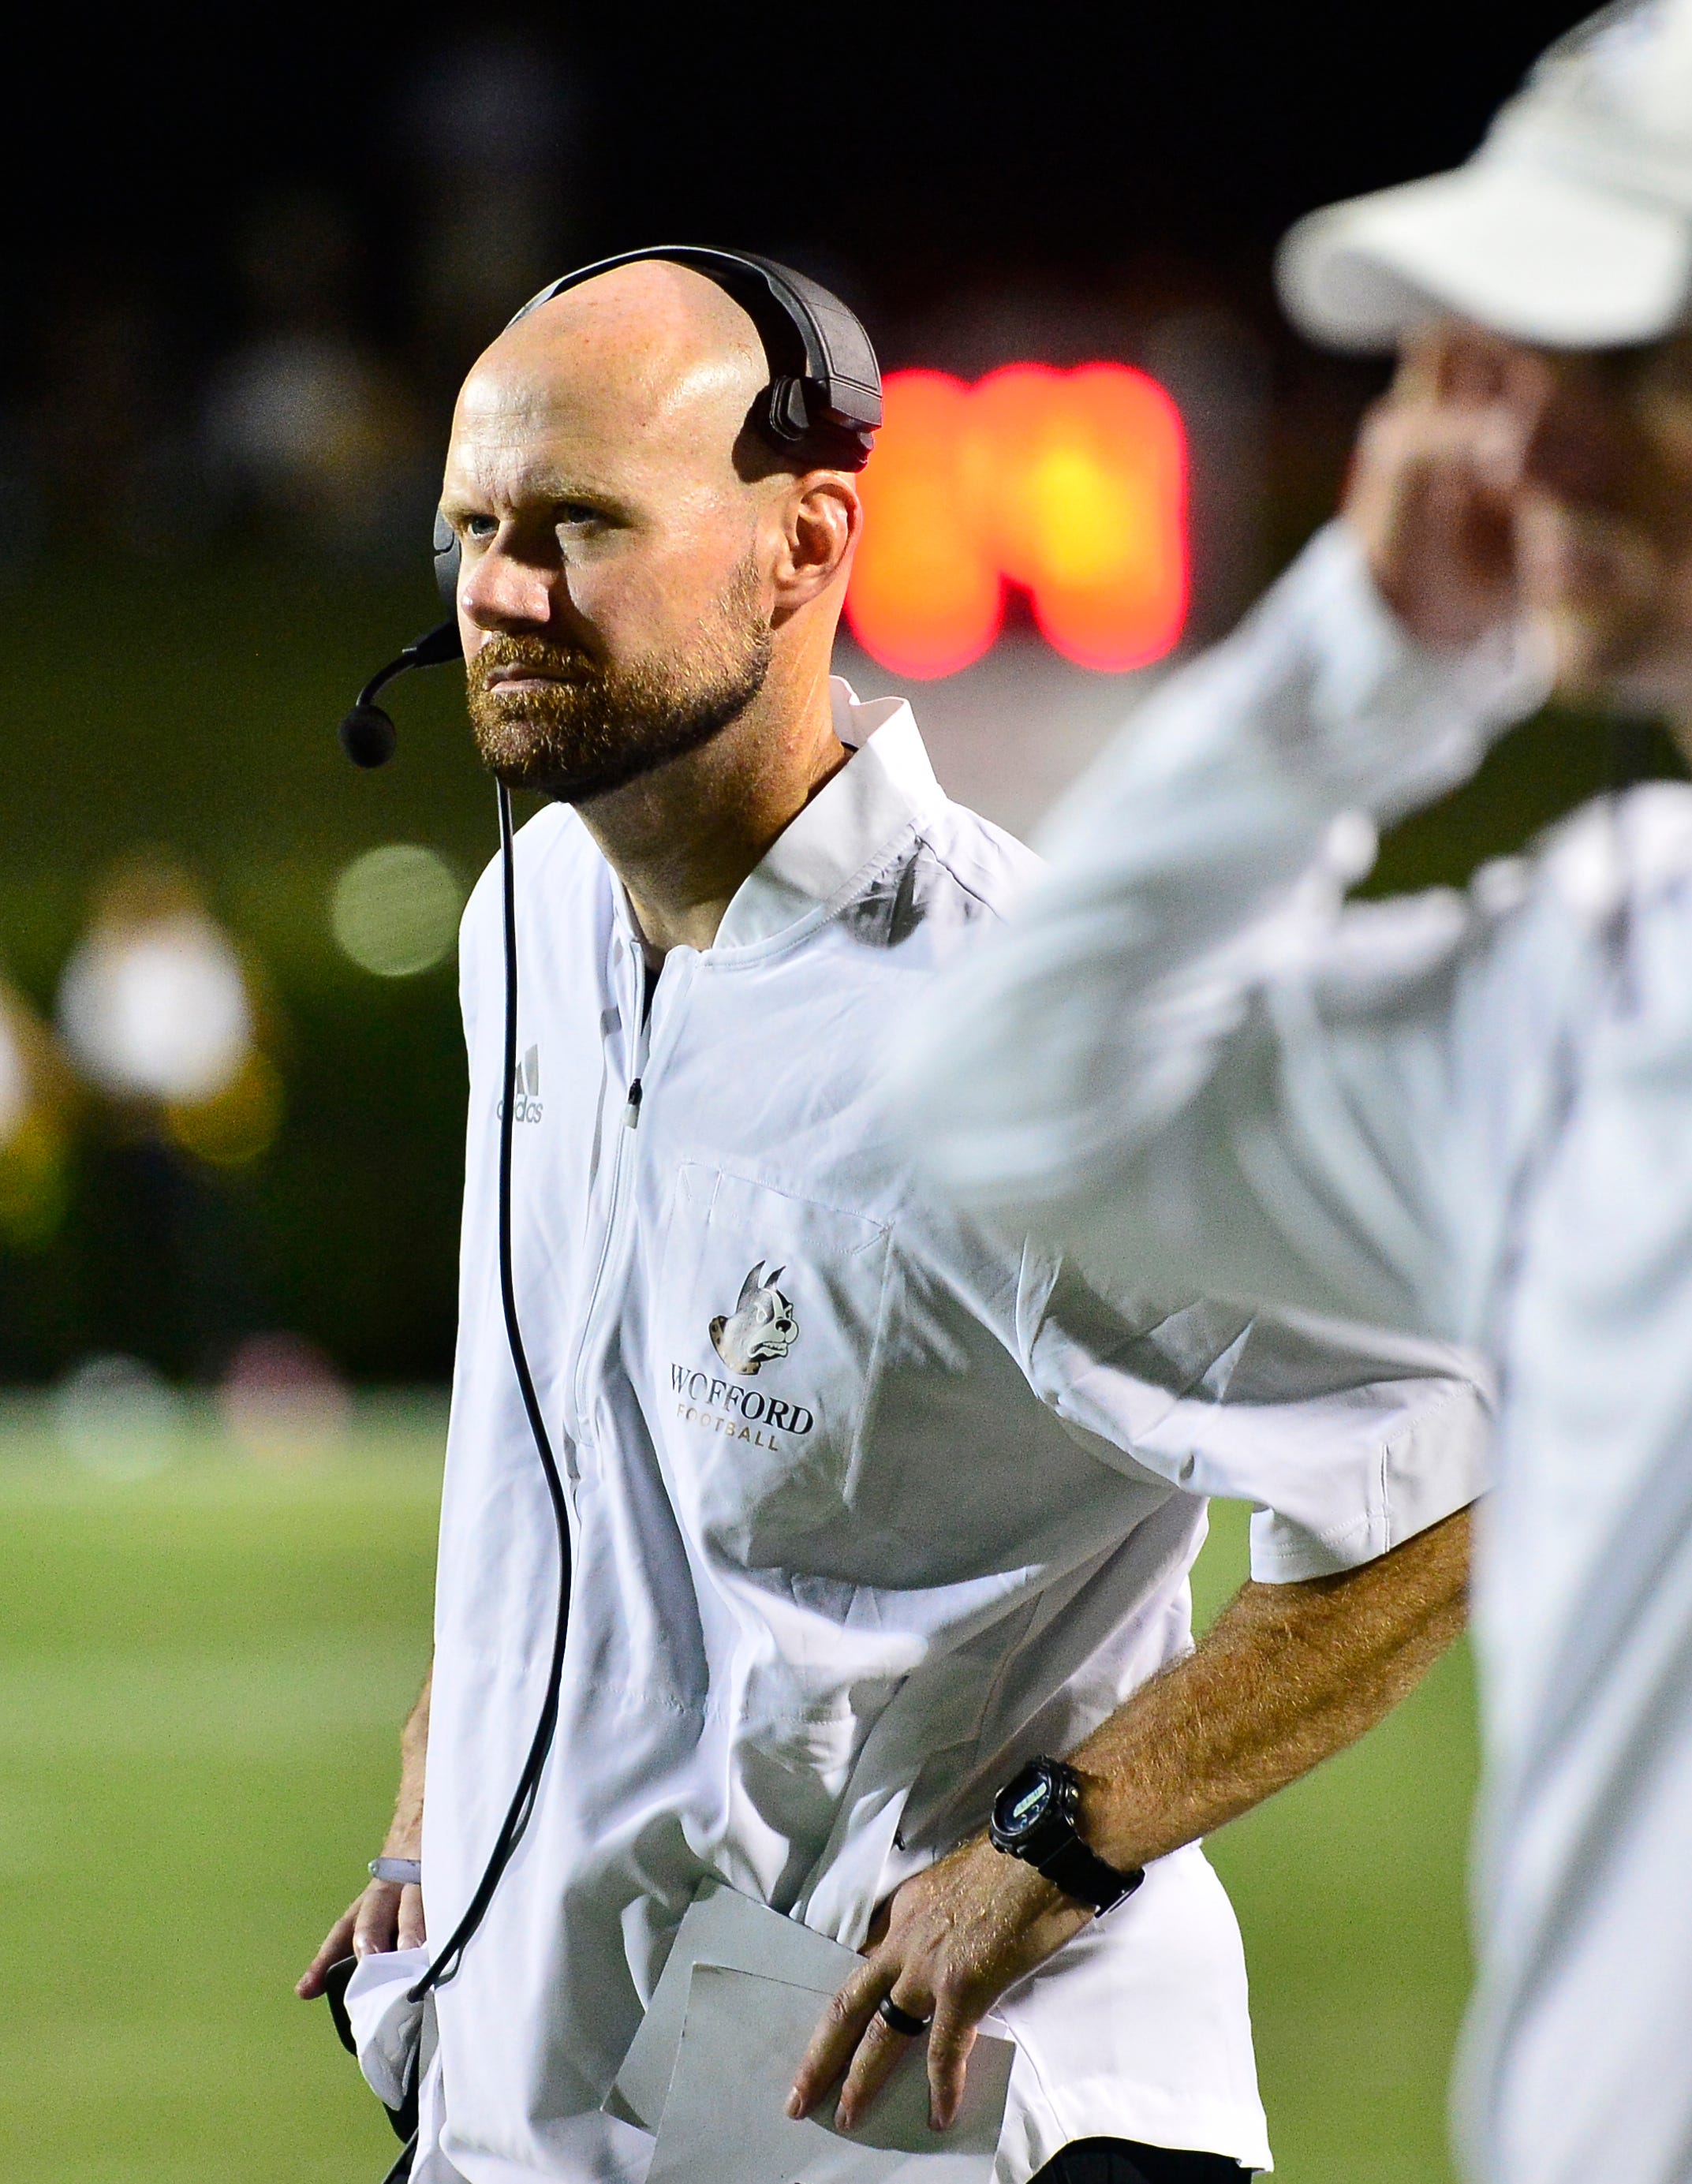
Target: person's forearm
x=1287 y=1675
x=404 y=1836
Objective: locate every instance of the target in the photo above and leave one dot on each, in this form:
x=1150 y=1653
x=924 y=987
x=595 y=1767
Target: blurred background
x=247 y=265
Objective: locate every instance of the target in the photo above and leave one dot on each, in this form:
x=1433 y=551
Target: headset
x=820 y=410
x=821 y=406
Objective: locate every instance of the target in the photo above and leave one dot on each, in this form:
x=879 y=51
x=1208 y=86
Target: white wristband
x=407 y=1871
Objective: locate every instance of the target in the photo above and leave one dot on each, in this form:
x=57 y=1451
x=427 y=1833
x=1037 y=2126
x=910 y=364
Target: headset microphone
x=367 y=735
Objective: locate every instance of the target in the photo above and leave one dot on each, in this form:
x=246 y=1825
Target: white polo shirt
x=1464 y=1115
x=870 y=1503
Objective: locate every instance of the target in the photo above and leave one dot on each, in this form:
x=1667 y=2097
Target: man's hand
x=1286 y=1675
x=1434 y=491
x=956 y=1936
x=385 y=1917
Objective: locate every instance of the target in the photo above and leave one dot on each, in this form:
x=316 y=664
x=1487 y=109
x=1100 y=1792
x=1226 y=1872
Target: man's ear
x=822 y=519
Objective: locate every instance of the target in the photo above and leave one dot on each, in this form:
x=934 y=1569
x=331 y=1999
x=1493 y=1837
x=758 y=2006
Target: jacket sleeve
x=1182 y=1054
x=1347 y=1442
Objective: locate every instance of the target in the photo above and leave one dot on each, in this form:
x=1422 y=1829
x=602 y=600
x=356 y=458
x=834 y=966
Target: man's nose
x=504 y=590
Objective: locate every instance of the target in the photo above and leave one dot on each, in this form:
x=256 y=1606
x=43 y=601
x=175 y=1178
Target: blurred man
x=875 y=1513
x=160 y=1016
x=1466 y=1118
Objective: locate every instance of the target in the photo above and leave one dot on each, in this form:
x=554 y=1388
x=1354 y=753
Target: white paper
x=387 y=2024
x=742 y=2039
x=721 y=1927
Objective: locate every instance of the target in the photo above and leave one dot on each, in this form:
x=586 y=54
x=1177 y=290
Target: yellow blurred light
x=34 y=1180
x=1082 y=517
x=239 y=1125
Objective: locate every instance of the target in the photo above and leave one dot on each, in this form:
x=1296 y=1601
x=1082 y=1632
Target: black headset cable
x=521 y=1806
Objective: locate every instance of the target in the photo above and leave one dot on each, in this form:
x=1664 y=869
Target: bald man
x=878 y=1516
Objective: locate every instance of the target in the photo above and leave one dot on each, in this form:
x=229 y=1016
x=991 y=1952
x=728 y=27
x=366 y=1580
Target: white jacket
x=1468 y=1117
x=870 y=1502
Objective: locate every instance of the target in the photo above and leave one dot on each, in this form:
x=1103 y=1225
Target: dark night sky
x=905 y=146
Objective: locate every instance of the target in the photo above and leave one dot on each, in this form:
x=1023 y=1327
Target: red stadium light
x=1072 y=484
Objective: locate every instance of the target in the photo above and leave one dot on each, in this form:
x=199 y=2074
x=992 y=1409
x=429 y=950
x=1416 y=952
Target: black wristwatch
x=1034 y=1820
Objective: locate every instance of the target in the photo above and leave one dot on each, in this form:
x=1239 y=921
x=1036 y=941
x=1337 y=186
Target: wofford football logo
x=761 y=1328
x=761 y=1325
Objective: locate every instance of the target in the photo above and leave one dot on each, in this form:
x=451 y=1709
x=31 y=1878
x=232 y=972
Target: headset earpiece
x=448 y=554
x=786 y=418
x=824 y=400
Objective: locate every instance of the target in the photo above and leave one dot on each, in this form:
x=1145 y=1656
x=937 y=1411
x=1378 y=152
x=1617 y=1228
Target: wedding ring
x=901 y=2020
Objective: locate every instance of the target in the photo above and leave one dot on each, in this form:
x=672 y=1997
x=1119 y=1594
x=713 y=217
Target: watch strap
x=1082 y=1874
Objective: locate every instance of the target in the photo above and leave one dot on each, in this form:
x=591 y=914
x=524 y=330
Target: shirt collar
x=886 y=787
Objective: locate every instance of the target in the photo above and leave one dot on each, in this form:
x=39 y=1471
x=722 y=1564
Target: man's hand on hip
x=1285 y=1676
x=956 y=1936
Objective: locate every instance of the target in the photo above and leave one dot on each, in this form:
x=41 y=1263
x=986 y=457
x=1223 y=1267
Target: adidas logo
x=528 y=1108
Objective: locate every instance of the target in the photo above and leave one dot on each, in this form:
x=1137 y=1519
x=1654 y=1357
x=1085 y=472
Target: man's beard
x=606 y=726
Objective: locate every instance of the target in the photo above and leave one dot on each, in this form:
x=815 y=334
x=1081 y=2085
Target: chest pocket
x=769 y=1324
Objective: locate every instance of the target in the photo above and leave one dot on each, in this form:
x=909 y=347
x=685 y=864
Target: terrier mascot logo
x=761 y=1327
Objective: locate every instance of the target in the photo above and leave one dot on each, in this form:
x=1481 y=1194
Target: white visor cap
x=1571 y=227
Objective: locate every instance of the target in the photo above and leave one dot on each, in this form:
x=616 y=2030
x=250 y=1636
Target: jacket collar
x=846 y=830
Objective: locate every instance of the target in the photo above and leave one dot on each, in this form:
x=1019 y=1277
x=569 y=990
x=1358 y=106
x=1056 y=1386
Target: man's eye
x=573 y=515
x=479 y=526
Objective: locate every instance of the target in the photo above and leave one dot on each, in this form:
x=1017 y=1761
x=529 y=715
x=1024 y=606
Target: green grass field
x=200 y=1683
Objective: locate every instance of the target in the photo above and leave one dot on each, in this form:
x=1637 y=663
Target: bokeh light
x=395 y=910
x=925 y=597
x=282 y=1400
x=157 y=1009
x=1072 y=484
x=1080 y=479
x=239 y=1123
x=34 y=1181
x=15 y=1084
x=119 y=1417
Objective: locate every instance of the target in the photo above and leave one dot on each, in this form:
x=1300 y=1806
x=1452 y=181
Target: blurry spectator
x=158 y=1012
x=153 y=1003
x=305 y=424
x=490 y=125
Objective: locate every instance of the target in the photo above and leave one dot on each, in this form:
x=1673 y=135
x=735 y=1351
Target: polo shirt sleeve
x=1346 y=1442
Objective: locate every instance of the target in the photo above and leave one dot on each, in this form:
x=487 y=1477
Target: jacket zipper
x=649 y=982
x=631 y=1115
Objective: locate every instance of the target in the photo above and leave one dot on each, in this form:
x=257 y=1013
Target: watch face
x=1023 y=1804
